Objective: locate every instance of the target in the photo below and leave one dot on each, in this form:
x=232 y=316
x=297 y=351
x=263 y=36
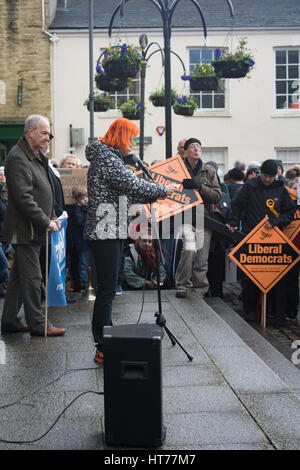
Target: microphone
x=141 y=165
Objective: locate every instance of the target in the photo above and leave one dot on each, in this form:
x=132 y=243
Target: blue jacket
x=79 y=214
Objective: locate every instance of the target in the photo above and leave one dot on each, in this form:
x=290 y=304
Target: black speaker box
x=133 y=385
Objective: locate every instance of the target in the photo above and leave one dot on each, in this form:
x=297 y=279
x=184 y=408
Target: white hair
x=33 y=121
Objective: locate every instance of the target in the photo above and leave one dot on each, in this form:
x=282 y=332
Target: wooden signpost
x=265 y=256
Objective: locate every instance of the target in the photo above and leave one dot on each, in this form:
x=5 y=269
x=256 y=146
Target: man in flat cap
x=192 y=268
x=250 y=201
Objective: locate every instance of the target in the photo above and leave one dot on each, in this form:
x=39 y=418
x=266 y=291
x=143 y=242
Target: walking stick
x=46 y=279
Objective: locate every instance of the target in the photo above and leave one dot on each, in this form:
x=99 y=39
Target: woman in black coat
x=112 y=189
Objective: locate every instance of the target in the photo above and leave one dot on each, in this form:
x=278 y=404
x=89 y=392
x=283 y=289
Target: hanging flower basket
x=158 y=98
x=121 y=68
x=204 y=84
x=203 y=78
x=132 y=117
x=107 y=83
x=102 y=102
x=184 y=106
x=122 y=61
x=99 y=107
x=183 y=110
x=130 y=110
x=231 y=68
x=233 y=65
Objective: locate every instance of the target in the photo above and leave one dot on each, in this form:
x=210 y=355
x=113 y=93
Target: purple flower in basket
x=186 y=77
x=99 y=69
x=218 y=53
x=251 y=62
x=138 y=105
x=181 y=100
x=123 y=49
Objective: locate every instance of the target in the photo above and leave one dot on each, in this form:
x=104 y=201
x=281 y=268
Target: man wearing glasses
x=30 y=213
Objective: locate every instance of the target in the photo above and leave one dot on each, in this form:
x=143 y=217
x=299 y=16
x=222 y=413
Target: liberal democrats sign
x=56 y=279
x=265 y=255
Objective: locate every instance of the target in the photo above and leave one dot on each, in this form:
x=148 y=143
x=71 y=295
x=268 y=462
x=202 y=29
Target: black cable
x=44 y=386
x=31 y=441
x=142 y=307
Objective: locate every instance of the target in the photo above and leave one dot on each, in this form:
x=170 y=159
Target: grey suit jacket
x=30 y=195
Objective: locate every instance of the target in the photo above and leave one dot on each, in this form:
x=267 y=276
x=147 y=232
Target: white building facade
x=254 y=119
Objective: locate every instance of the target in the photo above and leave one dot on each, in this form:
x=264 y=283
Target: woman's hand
x=171 y=188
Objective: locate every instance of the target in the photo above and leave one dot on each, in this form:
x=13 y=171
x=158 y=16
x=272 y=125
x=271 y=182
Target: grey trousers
x=193 y=261
x=24 y=287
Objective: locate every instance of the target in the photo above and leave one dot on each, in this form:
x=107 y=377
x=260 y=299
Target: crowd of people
x=193 y=257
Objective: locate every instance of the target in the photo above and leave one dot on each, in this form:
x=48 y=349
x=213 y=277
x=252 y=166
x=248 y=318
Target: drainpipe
x=52 y=37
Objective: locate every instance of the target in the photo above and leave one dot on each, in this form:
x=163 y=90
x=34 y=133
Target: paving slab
x=259 y=342
x=222 y=399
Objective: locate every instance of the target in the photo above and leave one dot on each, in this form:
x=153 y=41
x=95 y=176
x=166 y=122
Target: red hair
x=119 y=133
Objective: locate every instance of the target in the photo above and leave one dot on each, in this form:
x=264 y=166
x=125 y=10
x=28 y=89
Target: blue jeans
x=107 y=256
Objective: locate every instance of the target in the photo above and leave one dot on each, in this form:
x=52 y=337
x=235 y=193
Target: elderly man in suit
x=30 y=213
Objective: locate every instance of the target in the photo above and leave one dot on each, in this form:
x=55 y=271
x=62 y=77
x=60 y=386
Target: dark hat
x=279 y=163
x=269 y=167
x=236 y=174
x=191 y=141
x=252 y=169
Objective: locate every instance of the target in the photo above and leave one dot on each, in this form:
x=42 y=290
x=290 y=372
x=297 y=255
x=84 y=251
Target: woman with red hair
x=112 y=189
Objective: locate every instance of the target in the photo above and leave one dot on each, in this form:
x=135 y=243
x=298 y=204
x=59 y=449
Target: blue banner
x=56 y=279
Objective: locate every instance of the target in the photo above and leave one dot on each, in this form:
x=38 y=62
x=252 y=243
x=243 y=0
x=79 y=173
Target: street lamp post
x=166 y=10
x=143 y=40
x=91 y=59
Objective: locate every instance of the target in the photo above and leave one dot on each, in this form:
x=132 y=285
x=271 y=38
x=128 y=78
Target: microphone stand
x=160 y=318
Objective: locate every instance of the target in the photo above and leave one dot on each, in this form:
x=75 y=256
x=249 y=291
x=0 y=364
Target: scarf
x=148 y=256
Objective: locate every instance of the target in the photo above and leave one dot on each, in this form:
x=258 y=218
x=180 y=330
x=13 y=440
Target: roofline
x=215 y=30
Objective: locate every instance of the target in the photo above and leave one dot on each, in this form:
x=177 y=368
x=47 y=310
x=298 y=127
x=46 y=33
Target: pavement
x=238 y=393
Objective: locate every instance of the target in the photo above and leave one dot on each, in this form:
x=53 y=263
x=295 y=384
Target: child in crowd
x=79 y=214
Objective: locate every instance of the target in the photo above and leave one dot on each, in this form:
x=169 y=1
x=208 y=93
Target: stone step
x=264 y=381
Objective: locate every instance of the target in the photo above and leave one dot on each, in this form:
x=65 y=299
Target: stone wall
x=24 y=54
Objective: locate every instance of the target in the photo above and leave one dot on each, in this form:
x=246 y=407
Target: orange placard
x=292 y=193
x=265 y=255
x=292 y=230
x=171 y=171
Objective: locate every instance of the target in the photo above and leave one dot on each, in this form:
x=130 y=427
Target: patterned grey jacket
x=112 y=189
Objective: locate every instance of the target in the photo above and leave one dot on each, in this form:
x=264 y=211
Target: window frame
x=208 y=153
x=286 y=79
x=287 y=164
x=203 y=94
x=114 y=95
